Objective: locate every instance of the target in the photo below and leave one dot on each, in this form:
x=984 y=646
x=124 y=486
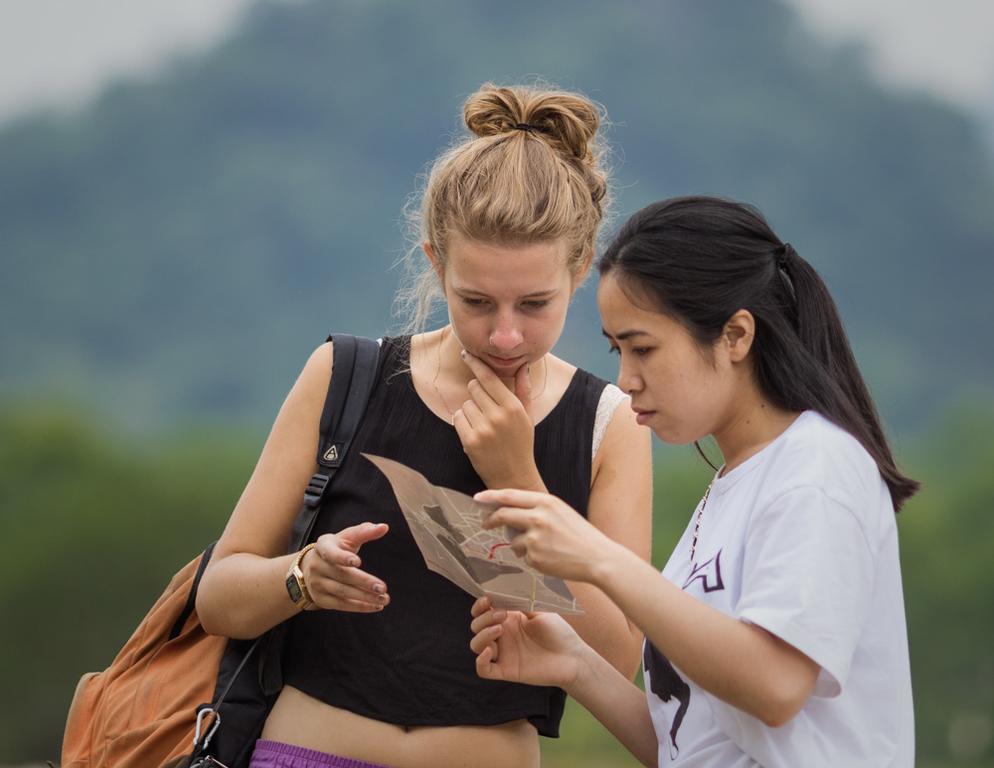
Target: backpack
x=177 y=697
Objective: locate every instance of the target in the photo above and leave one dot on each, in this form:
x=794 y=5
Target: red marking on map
x=495 y=547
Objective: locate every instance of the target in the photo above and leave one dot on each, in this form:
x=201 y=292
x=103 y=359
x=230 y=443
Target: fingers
x=337 y=564
x=330 y=593
x=523 y=387
x=481 y=400
x=462 y=425
x=485 y=667
x=486 y=640
x=519 y=546
x=511 y=497
x=489 y=380
x=473 y=413
x=481 y=606
x=487 y=620
x=519 y=519
x=355 y=536
x=331 y=551
x=486 y=626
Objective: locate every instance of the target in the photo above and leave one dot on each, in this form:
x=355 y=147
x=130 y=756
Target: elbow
x=207 y=617
x=629 y=665
x=216 y=622
x=628 y=657
x=777 y=718
x=214 y=619
x=782 y=704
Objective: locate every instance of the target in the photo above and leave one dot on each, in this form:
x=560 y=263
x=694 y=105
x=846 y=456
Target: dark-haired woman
x=776 y=635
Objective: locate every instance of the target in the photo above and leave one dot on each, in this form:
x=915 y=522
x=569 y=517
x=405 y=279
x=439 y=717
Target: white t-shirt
x=801 y=540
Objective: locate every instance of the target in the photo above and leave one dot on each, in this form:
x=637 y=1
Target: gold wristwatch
x=295 y=584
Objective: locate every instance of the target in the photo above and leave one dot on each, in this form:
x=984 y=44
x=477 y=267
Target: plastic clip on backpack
x=146 y=709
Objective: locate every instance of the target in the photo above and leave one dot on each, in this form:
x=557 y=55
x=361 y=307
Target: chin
x=670 y=434
x=503 y=369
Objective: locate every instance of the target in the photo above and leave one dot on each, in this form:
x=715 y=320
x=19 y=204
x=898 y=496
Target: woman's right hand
x=533 y=648
x=333 y=576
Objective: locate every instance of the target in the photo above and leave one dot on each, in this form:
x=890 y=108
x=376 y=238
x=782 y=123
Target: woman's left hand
x=551 y=536
x=496 y=429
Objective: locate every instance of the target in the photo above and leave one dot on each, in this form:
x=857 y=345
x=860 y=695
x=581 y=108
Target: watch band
x=296 y=585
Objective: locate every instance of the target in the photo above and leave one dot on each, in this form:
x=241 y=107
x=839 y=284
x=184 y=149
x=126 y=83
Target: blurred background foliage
x=172 y=252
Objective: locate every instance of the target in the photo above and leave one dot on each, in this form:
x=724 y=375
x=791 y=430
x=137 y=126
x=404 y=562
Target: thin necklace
x=697 y=526
x=438 y=369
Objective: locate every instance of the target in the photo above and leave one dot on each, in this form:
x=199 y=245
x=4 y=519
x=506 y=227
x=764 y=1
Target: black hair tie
x=529 y=128
x=786 y=251
x=783 y=258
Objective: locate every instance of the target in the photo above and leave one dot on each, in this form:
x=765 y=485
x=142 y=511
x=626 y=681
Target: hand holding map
x=448 y=529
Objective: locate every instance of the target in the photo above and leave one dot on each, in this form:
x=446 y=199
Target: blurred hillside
x=94 y=524
x=173 y=252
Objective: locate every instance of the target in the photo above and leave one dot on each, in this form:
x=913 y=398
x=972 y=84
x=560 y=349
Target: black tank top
x=411 y=664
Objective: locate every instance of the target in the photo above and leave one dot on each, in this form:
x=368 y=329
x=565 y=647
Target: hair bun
x=568 y=121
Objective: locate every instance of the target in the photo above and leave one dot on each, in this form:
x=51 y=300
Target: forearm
x=243 y=595
x=618 y=704
x=737 y=662
x=605 y=629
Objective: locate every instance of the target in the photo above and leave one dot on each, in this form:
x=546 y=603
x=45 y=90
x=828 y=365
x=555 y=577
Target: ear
x=436 y=265
x=738 y=334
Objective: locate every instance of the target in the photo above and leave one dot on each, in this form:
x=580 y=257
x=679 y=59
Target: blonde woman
x=377 y=669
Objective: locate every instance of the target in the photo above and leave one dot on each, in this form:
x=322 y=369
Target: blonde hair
x=532 y=171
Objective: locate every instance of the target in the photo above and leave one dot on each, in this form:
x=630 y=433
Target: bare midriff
x=304 y=721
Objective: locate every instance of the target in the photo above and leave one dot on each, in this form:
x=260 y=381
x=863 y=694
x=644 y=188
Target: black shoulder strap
x=191 y=599
x=354 y=365
x=355 y=361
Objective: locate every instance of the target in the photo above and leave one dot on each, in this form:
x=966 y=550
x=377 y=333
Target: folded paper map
x=448 y=528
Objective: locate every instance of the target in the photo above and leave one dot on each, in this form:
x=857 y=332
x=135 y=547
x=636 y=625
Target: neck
x=754 y=425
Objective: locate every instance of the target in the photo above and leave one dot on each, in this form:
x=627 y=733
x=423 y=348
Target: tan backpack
x=141 y=711
x=177 y=697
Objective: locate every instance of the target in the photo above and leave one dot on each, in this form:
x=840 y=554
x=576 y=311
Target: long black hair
x=701 y=259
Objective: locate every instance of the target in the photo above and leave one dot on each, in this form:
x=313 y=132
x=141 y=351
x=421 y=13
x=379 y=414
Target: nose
x=506 y=336
x=629 y=380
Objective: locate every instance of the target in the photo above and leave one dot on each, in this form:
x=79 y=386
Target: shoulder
x=818 y=448
x=318 y=368
x=820 y=456
x=617 y=436
x=320 y=365
x=612 y=414
x=589 y=387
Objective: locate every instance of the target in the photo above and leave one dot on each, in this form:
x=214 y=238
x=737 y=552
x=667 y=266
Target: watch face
x=294 y=589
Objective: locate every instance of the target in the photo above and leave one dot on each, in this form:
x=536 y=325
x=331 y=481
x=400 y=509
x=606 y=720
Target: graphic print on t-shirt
x=666 y=684
x=709 y=573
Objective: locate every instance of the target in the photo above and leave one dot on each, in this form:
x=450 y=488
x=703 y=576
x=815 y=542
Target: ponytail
x=702 y=259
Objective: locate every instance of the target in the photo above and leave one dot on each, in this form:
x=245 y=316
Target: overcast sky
x=61 y=52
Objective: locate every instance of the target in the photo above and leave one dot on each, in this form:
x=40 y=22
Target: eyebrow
x=534 y=295
x=625 y=335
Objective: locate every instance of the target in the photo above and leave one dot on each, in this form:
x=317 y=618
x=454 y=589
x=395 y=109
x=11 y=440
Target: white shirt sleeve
x=611 y=397
x=807 y=577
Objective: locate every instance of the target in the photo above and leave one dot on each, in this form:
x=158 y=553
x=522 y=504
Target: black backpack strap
x=191 y=599
x=247 y=698
x=353 y=376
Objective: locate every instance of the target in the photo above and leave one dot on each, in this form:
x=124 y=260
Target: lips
x=643 y=416
x=506 y=362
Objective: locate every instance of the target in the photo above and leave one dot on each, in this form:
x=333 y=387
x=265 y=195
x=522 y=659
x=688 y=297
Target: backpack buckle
x=315 y=489
x=211 y=731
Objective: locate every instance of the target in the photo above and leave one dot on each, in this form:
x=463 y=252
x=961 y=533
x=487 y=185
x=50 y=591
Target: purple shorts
x=274 y=754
